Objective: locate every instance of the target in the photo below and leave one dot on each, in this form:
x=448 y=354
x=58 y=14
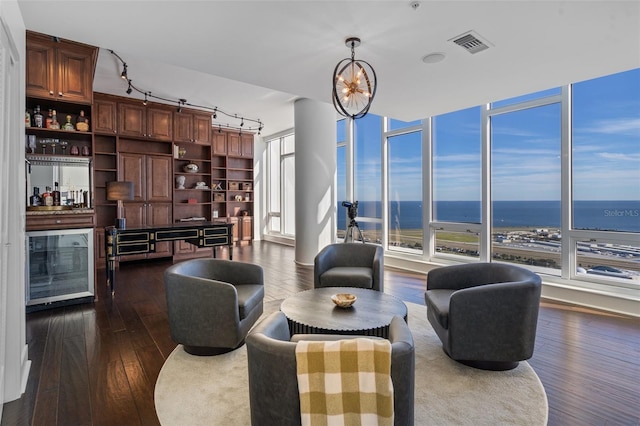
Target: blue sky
x=525 y=149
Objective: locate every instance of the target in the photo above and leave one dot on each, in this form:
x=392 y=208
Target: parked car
x=609 y=271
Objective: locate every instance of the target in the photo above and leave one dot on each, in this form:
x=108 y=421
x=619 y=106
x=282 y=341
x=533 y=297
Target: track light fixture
x=258 y=124
x=354 y=84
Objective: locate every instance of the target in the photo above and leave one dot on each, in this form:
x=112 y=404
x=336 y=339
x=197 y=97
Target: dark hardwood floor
x=96 y=364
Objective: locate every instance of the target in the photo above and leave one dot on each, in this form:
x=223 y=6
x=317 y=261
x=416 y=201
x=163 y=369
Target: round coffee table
x=313 y=311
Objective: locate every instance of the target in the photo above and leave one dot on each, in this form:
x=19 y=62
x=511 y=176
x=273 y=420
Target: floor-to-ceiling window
x=367 y=170
x=341 y=178
x=281 y=185
x=525 y=185
x=456 y=182
x=404 y=184
x=549 y=180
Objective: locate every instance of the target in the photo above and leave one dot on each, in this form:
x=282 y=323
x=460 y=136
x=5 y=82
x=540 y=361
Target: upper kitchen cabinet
x=192 y=127
x=58 y=69
x=148 y=122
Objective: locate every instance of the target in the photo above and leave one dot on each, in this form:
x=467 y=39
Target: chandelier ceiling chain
x=354 y=84
x=257 y=126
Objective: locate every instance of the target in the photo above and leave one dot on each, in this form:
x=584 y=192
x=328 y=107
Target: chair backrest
x=273 y=386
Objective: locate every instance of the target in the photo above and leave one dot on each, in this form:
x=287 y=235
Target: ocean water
x=594 y=215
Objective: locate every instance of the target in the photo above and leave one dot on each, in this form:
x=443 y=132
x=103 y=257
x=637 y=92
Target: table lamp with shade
x=120 y=191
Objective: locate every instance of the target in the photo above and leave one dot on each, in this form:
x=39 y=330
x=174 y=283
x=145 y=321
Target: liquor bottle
x=27 y=119
x=56 y=195
x=47 y=199
x=49 y=119
x=54 y=121
x=35 y=198
x=37 y=117
x=68 y=125
x=82 y=123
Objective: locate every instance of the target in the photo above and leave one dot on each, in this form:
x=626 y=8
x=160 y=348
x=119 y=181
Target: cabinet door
x=136 y=215
x=202 y=129
x=132 y=168
x=132 y=120
x=160 y=214
x=160 y=124
x=233 y=145
x=104 y=116
x=182 y=127
x=219 y=142
x=158 y=178
x=39 y=69
x=247 y=228
x=75 y=74
x=246 y=145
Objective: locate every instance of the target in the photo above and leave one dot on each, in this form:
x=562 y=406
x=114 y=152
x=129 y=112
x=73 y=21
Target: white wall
x=14 y=365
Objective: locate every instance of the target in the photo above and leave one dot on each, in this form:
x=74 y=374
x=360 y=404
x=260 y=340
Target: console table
x=140 y=240
x=312 y=312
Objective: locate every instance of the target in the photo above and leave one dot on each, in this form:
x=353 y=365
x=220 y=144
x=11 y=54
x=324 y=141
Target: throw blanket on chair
x=345 y=382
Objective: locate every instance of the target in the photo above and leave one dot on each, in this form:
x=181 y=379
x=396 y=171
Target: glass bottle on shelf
x=47 y=199
x=37 y=117
x=34 y=200
x=56 y=195
x=82 y=123
x=54 y=121
x=49 y=119
x=68 y=125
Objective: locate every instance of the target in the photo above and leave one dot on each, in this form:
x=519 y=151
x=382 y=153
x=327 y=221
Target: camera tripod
x=348 y=236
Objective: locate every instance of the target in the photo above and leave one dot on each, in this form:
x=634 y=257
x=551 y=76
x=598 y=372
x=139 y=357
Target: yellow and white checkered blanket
x=345 y=382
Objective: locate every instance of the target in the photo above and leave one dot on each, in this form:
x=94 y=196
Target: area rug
x=193 y=390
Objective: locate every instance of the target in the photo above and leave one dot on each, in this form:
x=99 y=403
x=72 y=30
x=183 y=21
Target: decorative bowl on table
x=191 y=168
x=344 y=300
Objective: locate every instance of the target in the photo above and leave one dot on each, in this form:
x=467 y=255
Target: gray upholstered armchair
x=212 y=303
x=349 y=265
x=273 y=384
x=485 y=314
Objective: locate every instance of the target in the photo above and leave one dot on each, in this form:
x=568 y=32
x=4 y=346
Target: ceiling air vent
x=471 y=42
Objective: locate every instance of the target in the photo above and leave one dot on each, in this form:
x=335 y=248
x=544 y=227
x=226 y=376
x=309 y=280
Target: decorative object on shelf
x=354 y=84
x=181 y=152
x=68 y=126
x=245 y=212
x=74 y=150
x=180 y=182
x=82 y=123
x=201 y=185
x=192 y=201
x=238 y=197
x=246 y=187
x=218 y=187
x=120 y=191
x=234 y=186
x=32 y=143
x=191 y=168
x=218 y=197
x=63 y=147
x=344 y=300
x=180 y=102
x=247 y=197
x=85 y=151
x=215 y=214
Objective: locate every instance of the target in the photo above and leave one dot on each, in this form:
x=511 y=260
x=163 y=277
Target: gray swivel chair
x=212 y=303
x=485 y=314
x=349 y=265
x=273 y=384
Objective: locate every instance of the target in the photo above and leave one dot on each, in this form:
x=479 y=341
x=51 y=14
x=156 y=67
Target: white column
x=315 y=127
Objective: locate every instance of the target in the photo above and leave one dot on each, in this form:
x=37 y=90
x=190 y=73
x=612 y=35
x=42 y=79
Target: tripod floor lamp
x=120 y=191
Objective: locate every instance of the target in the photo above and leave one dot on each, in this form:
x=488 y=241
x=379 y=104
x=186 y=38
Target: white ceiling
x=254 y=58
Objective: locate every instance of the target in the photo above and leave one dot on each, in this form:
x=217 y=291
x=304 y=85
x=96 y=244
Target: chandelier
x=354 y=84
